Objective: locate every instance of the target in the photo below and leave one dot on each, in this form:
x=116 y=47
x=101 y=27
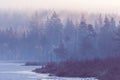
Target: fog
x=74 y=5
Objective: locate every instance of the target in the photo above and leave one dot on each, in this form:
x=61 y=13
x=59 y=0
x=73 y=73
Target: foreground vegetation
x=106 y=69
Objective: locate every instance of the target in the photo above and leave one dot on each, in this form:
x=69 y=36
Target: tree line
x=54 y=40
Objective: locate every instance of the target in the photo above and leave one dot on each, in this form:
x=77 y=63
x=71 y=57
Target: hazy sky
x=87 y=5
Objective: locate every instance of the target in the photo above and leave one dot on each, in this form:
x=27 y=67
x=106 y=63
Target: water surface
x=16 y=71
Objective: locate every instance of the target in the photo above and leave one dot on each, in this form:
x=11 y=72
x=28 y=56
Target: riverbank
x=106 y=69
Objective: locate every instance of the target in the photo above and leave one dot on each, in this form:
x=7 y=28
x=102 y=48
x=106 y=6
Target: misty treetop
x=52 y=39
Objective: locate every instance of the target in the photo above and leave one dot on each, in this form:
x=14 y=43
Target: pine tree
x=54 y=29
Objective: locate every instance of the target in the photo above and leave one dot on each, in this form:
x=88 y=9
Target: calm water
x=15 y=71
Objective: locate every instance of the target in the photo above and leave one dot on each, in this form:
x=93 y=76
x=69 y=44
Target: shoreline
x=107 y=69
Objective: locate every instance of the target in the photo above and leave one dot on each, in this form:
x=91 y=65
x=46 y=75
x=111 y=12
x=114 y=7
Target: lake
x=16 y=71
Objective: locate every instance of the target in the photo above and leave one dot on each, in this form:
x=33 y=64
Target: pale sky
x=87 y=5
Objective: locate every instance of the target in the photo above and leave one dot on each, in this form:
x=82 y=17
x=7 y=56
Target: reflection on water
x=15 y=71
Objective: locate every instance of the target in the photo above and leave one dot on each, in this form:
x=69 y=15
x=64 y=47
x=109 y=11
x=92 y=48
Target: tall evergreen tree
x=54 y=29
x=70 y=36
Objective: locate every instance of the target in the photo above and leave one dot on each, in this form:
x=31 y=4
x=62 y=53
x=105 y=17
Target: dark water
x=15 y=71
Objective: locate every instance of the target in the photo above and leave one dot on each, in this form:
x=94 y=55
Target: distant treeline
x=53 y=40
